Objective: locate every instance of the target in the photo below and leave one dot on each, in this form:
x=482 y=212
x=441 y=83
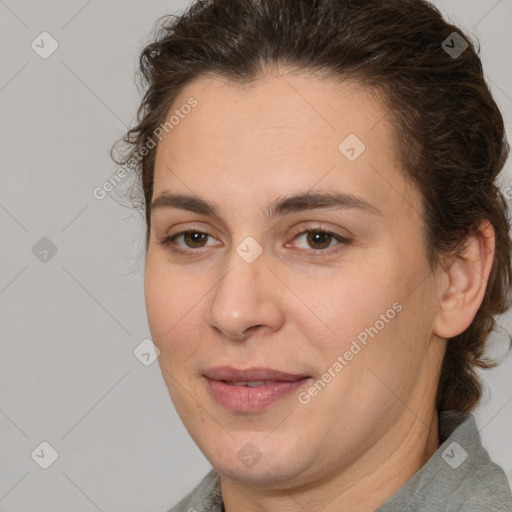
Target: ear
x=464 y=282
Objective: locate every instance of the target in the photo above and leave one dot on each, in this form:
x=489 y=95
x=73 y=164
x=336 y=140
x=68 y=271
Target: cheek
x=346 y=306
x=372 y=320
x=170 y=304
x=159 y=301
x=172 y=318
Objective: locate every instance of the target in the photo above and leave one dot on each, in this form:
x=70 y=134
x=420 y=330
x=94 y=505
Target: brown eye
x=185 y=241
x=194 y=239
x=319 y=239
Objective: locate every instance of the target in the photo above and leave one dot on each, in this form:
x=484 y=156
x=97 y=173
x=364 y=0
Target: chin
x=267 y=473
x=258 y=462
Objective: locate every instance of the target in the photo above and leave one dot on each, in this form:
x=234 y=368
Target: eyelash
x=168 y=242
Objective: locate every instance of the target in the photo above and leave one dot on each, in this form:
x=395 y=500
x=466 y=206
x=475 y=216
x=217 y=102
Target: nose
x=247 y=299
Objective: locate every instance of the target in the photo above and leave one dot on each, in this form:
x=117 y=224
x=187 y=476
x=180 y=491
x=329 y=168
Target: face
x=296 y=264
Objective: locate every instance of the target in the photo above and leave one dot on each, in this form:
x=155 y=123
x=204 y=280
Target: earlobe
x=465 y=282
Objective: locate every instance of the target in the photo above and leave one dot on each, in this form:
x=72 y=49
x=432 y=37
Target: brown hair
x=451 y=132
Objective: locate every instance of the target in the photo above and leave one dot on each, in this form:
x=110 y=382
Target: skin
x=297 y=307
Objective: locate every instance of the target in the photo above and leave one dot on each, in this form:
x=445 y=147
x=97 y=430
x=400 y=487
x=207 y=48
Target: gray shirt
x=459 y=477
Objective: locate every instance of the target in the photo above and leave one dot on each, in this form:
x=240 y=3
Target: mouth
x=252 y=389
x=253 y=384
x=256 y=374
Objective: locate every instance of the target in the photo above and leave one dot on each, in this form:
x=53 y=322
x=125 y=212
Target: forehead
x=281 y=133
x=279 y=108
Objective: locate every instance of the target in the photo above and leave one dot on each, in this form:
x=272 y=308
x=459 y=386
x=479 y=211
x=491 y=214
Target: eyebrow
x=279 y=207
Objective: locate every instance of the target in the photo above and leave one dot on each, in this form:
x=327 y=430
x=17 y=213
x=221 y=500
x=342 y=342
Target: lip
x=231 y=374
x=278 y=385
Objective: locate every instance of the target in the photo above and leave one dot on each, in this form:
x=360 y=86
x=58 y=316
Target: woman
x=326 y=251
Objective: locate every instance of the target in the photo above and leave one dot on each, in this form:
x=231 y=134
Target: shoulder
x=205 y=497
x=463 y=472
x=459 y=477
x=485 y=488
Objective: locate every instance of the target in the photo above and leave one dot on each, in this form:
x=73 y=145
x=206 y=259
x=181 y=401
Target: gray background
x=70 y=324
